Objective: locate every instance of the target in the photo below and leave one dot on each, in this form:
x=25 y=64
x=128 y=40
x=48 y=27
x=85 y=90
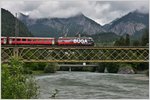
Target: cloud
x=100 y=11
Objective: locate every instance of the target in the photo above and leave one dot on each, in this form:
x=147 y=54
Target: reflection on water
x=84 y=85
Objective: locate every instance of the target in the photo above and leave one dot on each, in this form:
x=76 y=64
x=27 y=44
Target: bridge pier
x=69 y=69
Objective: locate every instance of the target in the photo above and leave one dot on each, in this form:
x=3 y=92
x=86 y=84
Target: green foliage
x=15 y=83
x=88 y=69
x=35 y=66
x=41 y=65
x=142 y=66
x=127 y=40
x=123 y=41
x=120 y=42
x=27 y=70
x=55 y=93
x=136 y=43
x=51 y=68
x=145 y=38
x=101 y=67
x=32 y=66
x=112 y=67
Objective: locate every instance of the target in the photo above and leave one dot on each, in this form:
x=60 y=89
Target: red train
x=67 y=41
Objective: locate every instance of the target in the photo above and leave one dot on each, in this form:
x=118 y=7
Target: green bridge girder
x=76 y=54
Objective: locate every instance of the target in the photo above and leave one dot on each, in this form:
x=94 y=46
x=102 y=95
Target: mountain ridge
x=72 y=25
x=129 y=24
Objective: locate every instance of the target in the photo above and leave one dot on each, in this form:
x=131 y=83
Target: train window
x=23 y=39
x=18 y=39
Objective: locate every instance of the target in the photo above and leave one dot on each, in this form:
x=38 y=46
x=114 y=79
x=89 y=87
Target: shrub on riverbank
x=51 y=68
x=112 y=67
x=88 y=69
x=15 y=84
x=101 y=67
x=34 y=66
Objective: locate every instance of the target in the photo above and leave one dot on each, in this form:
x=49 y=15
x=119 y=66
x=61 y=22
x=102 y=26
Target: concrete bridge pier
x=69 y=69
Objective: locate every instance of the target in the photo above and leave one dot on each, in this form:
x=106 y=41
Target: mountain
x=130 y=24
x=8 y=25
x=61 y=26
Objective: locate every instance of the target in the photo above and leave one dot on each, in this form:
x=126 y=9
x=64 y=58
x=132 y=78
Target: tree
x=136 y=43
x=127 y=40
x=51 y=68
x=145 y=38
x=120 y=42
x=15 y=83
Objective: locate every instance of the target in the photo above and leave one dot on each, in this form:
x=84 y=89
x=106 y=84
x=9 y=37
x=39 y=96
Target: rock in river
x=126 y=69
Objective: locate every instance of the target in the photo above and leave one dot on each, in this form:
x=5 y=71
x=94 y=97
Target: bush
x=41 y=66
x=15 y=83
x=101 y=67
x=51 y=68
x=35 y=66
x=89 y=69
x=32 y=66
x=112 y=67
x=27 y=70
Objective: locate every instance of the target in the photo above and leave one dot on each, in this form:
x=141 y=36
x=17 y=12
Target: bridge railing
x=77 y=54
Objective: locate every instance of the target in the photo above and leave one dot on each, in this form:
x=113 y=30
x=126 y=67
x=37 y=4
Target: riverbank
x=89 y=85
x=40 y=72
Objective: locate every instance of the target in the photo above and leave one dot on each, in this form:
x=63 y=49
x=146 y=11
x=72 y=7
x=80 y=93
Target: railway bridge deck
x=75 y=54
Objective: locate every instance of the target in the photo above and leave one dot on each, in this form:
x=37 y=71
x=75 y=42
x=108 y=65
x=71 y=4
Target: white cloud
x=100 y=11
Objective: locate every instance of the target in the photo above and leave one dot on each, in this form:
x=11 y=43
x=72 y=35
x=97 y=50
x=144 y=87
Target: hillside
x=8 y=25
x=131 y=24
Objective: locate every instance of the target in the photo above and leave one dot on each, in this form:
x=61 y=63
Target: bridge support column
x=69 y=69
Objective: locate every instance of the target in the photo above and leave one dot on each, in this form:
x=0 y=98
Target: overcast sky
x=100 y=11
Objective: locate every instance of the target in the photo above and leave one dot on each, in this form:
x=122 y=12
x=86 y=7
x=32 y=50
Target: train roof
x=75 y=37
x=3 y=37
x=34 y=37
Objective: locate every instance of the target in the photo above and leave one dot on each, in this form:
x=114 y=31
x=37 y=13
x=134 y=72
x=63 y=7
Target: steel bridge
x=76 y=54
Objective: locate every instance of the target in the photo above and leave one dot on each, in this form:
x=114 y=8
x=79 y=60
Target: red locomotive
x=66 y=41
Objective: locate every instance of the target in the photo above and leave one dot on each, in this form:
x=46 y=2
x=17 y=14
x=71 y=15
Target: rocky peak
x=128 y=24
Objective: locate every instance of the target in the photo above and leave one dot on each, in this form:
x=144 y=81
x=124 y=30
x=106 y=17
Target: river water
x=90 y=85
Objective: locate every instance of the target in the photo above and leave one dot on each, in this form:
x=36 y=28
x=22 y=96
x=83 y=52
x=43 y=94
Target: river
x=90 y=85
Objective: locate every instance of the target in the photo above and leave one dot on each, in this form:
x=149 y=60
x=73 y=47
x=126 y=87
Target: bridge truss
x=76 y=54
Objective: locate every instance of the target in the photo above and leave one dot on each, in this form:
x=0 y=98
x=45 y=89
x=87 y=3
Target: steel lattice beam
x=76 y=54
